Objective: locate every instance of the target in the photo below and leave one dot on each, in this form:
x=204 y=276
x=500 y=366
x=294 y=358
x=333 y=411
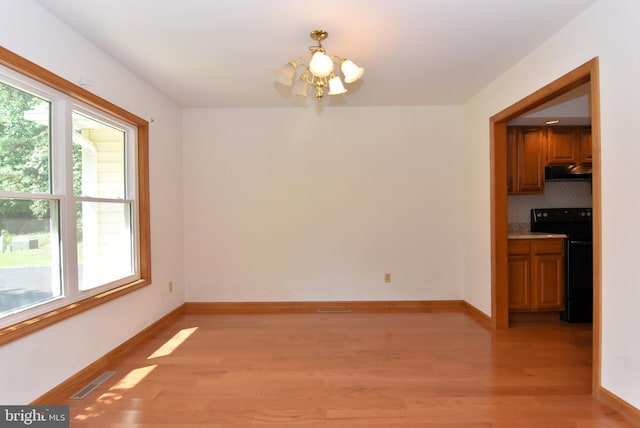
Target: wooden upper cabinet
x=526 y=153
x=585 y=145
x=568 y=145
x=563 y=145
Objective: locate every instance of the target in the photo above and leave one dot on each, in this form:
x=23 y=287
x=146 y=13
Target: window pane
x=29 y=253
x=98 y=158
x=104 y=243
x=24 y=141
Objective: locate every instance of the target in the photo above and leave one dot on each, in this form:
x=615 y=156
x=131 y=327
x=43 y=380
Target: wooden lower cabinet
x=536 y=275
x=519 y=282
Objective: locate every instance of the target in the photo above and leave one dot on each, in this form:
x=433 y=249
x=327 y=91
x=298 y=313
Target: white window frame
x=131 y=194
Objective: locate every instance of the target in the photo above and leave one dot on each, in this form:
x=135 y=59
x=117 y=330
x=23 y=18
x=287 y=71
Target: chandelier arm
x=307 y=76
x=337 y=60
x=316 y=48
x=297 y=62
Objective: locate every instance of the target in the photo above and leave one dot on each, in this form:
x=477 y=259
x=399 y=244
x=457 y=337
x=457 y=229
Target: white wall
x=298 y=205
x=608 y=30
x=33 y=365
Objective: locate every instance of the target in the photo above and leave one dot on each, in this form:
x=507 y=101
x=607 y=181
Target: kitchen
x=549 y=209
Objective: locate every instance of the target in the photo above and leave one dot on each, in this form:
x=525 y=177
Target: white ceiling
x=222 y=53
x=570 y=108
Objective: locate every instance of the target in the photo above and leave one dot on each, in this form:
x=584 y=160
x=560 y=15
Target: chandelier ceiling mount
x=319 y=35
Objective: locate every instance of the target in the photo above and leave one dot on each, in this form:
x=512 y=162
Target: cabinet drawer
x=549 y=246
x=519 y=246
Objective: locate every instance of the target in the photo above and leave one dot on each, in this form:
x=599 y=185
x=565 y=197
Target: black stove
x=577 y=224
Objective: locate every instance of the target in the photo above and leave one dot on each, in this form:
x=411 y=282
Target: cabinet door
x=549 y=280
x=585 y=145
x=519 y=282
x=548 y=274
x=563 y=145
x=528 y=160
x=512 y=160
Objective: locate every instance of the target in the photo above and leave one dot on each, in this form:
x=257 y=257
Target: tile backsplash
x=557 y=194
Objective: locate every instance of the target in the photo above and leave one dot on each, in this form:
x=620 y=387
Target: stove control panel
x=560 y=214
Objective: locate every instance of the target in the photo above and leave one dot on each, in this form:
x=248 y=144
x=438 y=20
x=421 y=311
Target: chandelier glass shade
x=318 y=71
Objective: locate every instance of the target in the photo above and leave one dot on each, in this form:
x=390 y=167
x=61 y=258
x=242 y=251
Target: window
x=74 y=215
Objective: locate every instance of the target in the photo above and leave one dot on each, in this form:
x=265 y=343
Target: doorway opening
x=585 y=74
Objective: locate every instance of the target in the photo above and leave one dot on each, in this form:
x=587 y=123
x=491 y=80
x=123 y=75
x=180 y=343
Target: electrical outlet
x=170 y=286
x=387 y=277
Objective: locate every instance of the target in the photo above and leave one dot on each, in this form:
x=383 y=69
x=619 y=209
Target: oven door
x=579 y=282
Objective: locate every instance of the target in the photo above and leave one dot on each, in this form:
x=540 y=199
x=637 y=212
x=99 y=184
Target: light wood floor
x=351 y=370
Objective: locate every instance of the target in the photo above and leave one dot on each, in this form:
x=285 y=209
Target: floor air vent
x=93 y=385
x=334 y=310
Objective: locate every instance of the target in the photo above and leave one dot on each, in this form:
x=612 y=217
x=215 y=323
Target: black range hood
x=576 y=172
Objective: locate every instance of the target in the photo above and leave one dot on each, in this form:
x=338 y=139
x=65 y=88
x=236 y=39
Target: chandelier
x=318 y=71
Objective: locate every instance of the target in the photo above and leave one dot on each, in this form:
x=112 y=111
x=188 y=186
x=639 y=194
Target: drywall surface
x=303 y=205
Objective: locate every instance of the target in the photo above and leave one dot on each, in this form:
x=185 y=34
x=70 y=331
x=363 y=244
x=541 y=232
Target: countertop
x=535 y=235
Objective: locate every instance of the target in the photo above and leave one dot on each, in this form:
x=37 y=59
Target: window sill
x=26 y=327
